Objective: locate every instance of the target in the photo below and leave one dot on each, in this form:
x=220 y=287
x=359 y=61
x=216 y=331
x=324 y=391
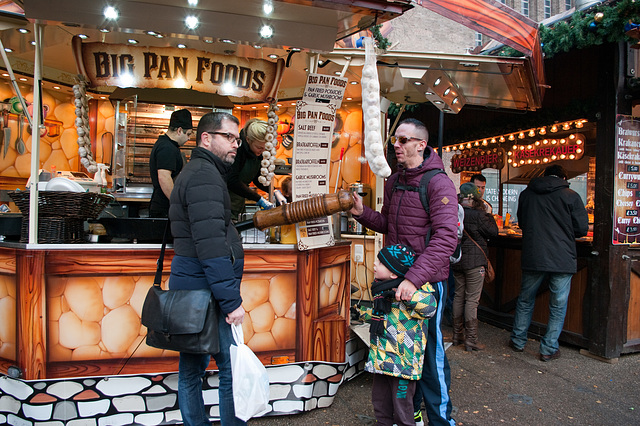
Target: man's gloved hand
x=264 y=204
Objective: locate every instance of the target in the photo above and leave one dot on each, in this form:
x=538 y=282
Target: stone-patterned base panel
x=152 y=399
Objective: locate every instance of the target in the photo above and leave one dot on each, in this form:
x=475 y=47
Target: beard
x=227 y=157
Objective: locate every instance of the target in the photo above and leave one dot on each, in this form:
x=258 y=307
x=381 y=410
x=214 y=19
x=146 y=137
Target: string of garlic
x=268 y=166
x=82 y=127
x=374 y=151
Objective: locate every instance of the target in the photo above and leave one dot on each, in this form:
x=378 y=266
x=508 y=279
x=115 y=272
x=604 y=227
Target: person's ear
x=393 y=276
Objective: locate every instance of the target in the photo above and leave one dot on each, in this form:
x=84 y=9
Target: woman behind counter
x=246 y=168
x=469 y=272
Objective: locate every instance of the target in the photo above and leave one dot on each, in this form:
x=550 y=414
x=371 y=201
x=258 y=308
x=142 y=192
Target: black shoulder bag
x=180 y=320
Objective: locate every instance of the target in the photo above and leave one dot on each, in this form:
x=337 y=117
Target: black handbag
x=180 y=320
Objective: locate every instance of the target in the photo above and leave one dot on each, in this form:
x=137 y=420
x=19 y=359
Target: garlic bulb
x=374 y=150
x=82 y=127
x=269 y=154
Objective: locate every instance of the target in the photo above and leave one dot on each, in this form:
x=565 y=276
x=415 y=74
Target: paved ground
x=500 y=386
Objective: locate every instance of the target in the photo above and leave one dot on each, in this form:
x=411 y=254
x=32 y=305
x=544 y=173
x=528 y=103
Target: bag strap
x=157 y=280
x=474 y=242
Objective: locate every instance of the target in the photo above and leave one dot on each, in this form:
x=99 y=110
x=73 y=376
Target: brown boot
x=458 y=331
x=471 y=341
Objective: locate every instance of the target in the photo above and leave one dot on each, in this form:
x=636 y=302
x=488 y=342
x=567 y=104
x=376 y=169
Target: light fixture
x=191 y=22
x=23 y=30
x=253 y=107
x=438 y=102
x=337 y=72
x=103 y=97
x=104 y=30
x=111 y=12
x=238 y=107
x=521 y=135
x=228 y=41
x=543 y=131
x=532 y=133
x=257 y=46
x=8 y=49
x=429 y=93
x=56 y=87
x=208 y=40
x=554 y=128
x=353 y=82
x=33 y=43
x=579 y=124
x=126 y=80
x=566 y=126
x=417 y=83
x=181 y=46
x=159 y=35
x=267 y=7
x=83 y=36
x=22 y=79
x=501 y=139
x=349 y=99
x=293 y=104
x=446 y=92
x=454 y=101
x=151 y=33
x=273 y=56
x=192 y=2
x=511 y=137
x=132 y=41
x=438 y=80
x=493 y=140
x=266 y=31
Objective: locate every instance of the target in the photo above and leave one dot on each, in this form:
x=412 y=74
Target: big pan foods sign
x=169 y=67
x=478 y=159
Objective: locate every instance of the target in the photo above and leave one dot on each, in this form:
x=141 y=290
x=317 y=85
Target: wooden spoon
x=20 y=146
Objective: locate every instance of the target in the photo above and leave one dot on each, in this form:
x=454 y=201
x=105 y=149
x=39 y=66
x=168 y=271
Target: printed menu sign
x=314 y=123
x=626 y=207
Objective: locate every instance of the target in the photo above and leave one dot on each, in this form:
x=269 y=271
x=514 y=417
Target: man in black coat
x=551 y=217
x=208 y=254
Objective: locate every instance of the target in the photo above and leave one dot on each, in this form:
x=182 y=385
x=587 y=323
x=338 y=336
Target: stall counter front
x=498 y=301
x=74 y=310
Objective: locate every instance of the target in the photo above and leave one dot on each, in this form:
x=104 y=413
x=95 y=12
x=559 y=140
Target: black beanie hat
x=181 y=118
x=397 y=258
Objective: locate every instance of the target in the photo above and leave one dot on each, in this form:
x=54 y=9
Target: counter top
x=132 y=246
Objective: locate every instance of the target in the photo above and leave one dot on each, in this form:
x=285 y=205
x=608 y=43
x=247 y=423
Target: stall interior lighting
x=111 y=13
x=267 y=7
x=23 y=30
x=192 y=2
x=182 y=46
x=191 y=22
x=266 y=31
x=83 y=36
x=576 y=138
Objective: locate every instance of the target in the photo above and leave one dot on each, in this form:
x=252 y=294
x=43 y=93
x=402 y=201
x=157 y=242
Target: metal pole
x=440 y=132
x=38 y=29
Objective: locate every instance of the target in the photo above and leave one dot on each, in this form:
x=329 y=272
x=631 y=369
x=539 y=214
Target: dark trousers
x=436 y=376
x=392 y=399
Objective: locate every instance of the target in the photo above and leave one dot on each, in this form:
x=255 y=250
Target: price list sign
x=626 y=207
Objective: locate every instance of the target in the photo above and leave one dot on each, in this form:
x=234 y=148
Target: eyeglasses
x=230 y=137
x=403 y=139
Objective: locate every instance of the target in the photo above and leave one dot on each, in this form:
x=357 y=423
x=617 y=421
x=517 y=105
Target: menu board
x=314 y=123
x=626 y=205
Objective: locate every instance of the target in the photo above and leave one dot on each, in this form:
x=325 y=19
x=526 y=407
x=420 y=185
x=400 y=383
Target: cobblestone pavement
x=499 y=386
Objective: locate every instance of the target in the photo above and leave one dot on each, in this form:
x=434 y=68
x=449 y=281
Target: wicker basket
x=61 y=214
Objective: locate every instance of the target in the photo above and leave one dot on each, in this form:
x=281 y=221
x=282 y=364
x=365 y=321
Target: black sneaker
x=514 y=347
x=546 y=358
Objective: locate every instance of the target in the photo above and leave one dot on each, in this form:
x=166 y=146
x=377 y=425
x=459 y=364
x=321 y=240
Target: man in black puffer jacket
x=551 y=217
x=208 y=254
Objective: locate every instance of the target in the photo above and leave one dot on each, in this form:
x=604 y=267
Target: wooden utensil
x=1 y=131
x=20 y=146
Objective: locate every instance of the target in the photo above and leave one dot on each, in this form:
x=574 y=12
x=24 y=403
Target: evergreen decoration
x=602 y=23
x=382 y=42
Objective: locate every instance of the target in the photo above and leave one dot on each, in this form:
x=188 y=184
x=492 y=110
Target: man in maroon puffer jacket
x=404 y=221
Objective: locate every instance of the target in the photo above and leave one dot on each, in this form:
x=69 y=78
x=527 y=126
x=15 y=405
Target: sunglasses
x=230 y=137
x=403 y=139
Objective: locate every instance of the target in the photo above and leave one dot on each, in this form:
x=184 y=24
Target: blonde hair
x=255 y=130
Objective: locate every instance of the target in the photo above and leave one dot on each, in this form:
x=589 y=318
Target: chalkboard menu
x=626 y=206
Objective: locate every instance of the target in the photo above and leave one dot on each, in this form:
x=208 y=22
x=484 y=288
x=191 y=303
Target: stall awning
x=489 y=81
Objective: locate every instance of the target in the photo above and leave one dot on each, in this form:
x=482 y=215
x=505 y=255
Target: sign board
x=313 y=132
x=626 y=195
x=548 y=150
x=477 y=159
x=120 y=65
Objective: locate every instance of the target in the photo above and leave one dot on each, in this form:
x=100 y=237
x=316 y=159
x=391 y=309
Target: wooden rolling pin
x=298 y=211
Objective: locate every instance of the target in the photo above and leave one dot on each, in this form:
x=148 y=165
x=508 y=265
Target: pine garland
x=382 y=42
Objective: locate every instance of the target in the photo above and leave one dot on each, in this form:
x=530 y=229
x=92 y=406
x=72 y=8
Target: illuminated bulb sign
x=547 y=150
x=477 y=159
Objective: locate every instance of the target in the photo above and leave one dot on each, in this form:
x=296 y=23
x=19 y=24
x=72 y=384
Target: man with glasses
x=208 y=254
x=166 y=161
x=433 y=235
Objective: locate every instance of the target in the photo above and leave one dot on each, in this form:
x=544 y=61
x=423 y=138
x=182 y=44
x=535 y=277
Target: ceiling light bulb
x=132 y=41
x=273 y=56
x=266 y=31
x=353 y=82
x=8 y=49
x=56 y=87
x=417 y=83
x=428 y=93
x=192 y=2
x=446 y=92
x=532 y=133
x=104 y=30
x=566 y=126
x=435 y=83
x=111 y=12
x=454 y=101
x=83 y=36
x=23 y=30
x=191 y=22
x=182 y=46
x=267 y=7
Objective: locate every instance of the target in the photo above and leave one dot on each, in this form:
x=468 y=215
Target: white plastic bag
x=250 y=379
